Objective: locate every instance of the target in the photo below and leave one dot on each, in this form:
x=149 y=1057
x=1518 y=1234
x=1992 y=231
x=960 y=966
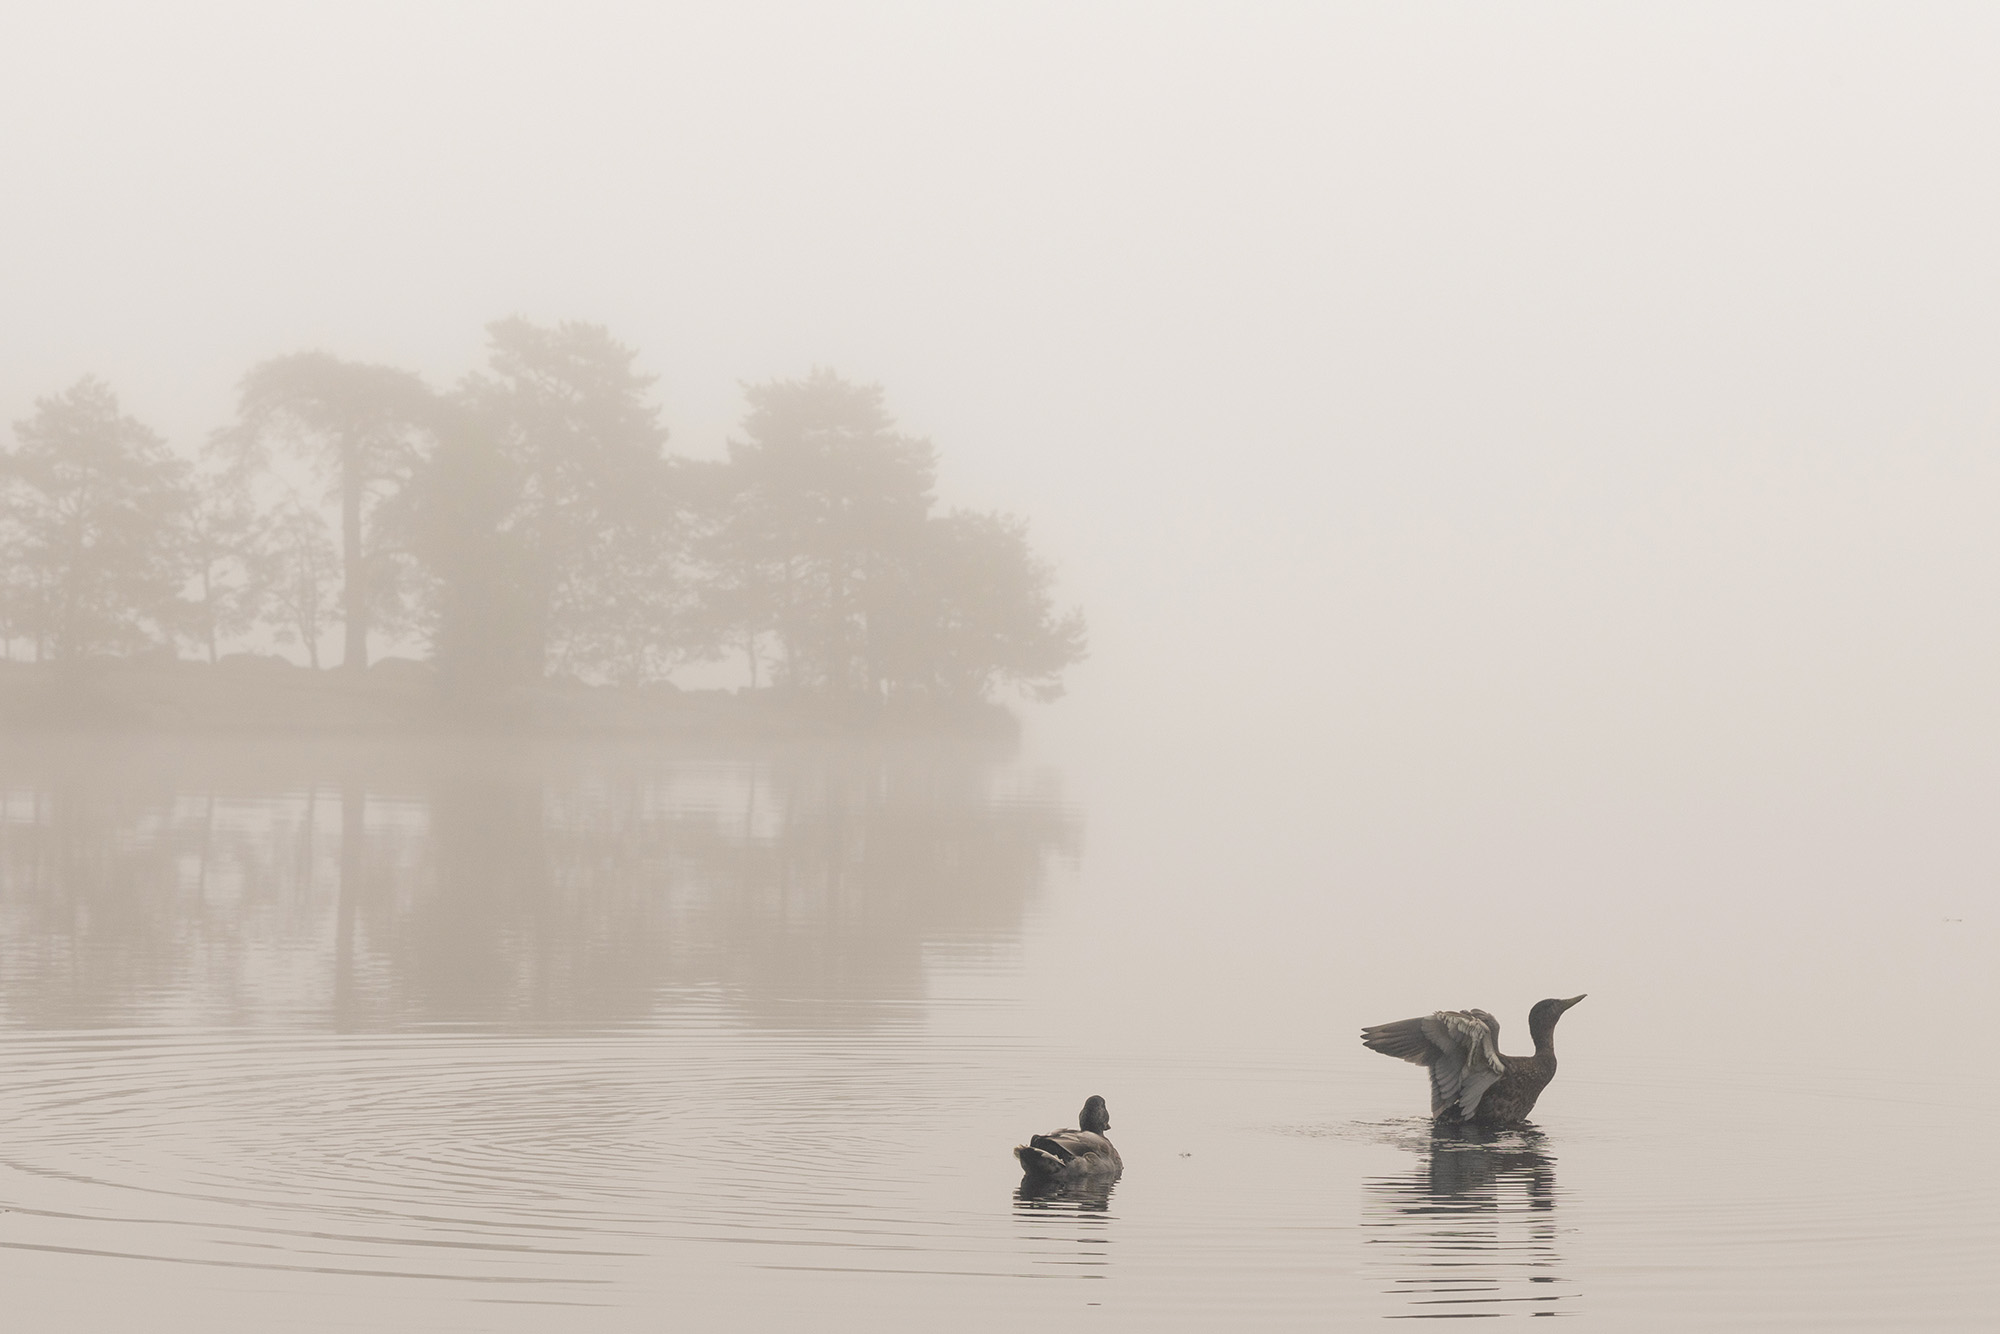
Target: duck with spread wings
x=1470 y=1080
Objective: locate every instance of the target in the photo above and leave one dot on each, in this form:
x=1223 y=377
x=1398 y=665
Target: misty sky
x=1579 y=385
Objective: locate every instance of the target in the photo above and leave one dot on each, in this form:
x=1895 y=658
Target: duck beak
x=1573 y=1000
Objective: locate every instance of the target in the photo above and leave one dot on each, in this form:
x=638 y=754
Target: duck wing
x=1461 y=1048
x=1067 y=1152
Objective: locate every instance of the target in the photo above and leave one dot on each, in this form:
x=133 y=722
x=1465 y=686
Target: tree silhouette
x=530 y=525
x=484 y=621
x=580 y=513
x=828 y=500
x=296 y=570
x=223 y=559
x=361 y=429
x=88 y=516
x=973 y=611
x=827 y=543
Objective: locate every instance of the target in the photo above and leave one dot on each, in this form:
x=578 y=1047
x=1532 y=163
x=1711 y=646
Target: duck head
x=1094 y=1117
x=1542 y=1019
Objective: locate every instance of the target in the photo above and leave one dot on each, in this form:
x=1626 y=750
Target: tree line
x=527 y=524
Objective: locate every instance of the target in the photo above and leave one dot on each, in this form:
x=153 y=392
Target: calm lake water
x=566 y=1037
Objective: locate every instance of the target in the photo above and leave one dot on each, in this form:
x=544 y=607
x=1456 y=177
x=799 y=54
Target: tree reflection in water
x=368 y=886
x=1472 y=1231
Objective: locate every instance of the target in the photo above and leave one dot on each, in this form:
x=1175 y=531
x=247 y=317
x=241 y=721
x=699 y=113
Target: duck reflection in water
x=1086 y=1195
x=1067 y=1225
x=1472 y=1231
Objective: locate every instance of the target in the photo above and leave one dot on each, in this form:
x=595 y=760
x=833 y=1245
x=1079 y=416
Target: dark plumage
x=1071 y=1155
x=1470 y=1080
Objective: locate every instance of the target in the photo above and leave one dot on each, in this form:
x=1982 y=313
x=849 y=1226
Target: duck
x=1072 y=1155
x=1471 y=1082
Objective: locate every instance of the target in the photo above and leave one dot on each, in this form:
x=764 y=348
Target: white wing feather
x=1468 y=1062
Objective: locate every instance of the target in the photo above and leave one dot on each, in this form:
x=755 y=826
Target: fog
x=1569 y=373
x=1537 y=461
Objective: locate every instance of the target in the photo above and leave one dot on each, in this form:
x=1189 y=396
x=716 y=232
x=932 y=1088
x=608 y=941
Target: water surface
x=604 y=1036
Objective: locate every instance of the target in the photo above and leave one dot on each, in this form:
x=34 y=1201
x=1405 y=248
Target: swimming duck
x=1069 y=1155
x=1470 y=1079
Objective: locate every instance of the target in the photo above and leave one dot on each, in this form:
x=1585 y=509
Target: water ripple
x=539 y=1161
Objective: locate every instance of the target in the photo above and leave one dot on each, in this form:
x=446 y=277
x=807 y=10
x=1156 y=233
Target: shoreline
x=402 y=697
